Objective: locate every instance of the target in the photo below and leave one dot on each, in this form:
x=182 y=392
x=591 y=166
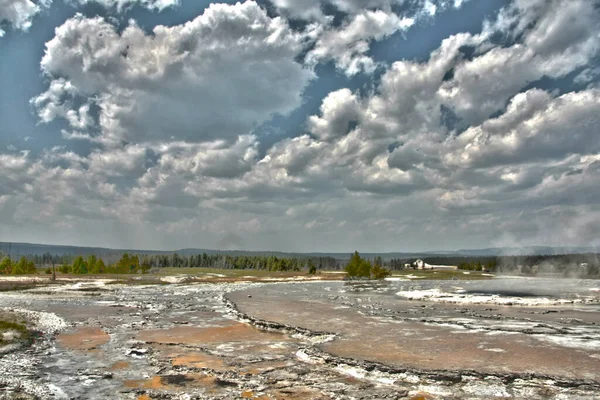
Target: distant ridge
x=21 y=249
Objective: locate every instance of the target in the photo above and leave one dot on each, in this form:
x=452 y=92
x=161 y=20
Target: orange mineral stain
x=119 y=365
x=422 y=396
x=263 y=366
x=248 y=394
x=83 y=339
x=237 y=332
x=152 y=383
x=198 y=360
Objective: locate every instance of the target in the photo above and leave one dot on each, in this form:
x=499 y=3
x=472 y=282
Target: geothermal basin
x=511 y=337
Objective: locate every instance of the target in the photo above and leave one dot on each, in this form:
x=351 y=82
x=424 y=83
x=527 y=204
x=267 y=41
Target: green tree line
x=133 y=264
x=21 y=267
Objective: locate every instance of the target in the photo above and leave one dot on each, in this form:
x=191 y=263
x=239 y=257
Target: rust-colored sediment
x=298 y=394
x=249 y=394
x=419 y=345
x=177 y=382
x=119 y=365
x=263 y=366
x=152 y=383
x=440 y=348
x=144 y=397
x=83 y=339
x=422 y=396
x=237 y=332
x=198 y=360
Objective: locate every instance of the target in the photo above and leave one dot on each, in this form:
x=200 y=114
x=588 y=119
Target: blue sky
x=378 y=125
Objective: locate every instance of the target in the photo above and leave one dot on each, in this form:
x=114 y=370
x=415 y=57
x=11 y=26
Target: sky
x=300 y=125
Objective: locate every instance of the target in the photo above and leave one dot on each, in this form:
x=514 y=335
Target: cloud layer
x=463 y=148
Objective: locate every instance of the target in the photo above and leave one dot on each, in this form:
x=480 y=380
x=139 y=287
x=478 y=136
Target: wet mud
x=309 y=340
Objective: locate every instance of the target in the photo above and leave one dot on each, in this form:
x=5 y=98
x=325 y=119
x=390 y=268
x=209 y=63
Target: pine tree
x=76 y=267
x=358 y=267
x=91 y=264
x=6 y=266
x=100 y=267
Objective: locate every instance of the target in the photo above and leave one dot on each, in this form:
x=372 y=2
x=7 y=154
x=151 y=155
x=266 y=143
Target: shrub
x=378 y=272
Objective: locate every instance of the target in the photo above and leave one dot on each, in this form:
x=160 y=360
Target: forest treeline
x=566 y=264
x=134 y=263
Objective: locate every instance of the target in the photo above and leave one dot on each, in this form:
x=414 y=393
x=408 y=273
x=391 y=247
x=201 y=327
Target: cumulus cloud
x=348 y=45
x=535 y=153
x=534 y=126
x=121 y=5
x=365 y=21
x=313 y=9
x=300 y=9
x=442 y=150
x=20 y=13
x=214 y=159
x=339 y=110
x=217 y=76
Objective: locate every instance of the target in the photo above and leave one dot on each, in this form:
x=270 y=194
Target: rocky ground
x=304 y=340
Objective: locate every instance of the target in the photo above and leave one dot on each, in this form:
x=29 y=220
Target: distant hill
x=21 y=249
x=525 y=251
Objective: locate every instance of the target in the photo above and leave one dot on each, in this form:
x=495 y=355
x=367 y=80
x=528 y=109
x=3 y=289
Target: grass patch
x=8 y=286
x=11 y=326
x=131 y=281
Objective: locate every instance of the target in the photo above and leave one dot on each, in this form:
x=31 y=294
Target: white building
x=420 y=264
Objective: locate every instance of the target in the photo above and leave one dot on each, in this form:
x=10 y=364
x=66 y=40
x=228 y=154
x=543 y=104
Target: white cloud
x=545 y=129
x=311 y=10
x=587 y=75
x=429 y=8
x=366 y=21
x=339 y=110
x=553 y=47
x=348 y=45
x=216 y=76
x=20 y=13
x=214 y=159
x=121 y=5
x=301 y=9
x=129 y=161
